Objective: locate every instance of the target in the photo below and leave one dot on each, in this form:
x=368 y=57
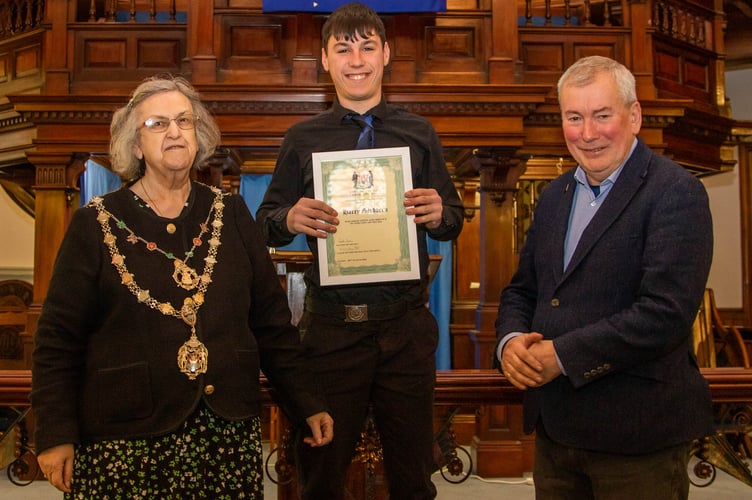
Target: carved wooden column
x=503 y=61
x=719 y=47
x=305 y=64
x=499 y=447
x=55 y=201
x=402 y=67
x=56 y=74
x=201 y=54
x=466 y=295
x=499 y=172
x=639 y=15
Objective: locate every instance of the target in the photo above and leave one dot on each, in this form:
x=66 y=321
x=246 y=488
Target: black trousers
x=565 y=473
x=391 y=366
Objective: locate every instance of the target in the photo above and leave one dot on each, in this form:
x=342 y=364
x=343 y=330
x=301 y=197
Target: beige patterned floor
x=724 y=487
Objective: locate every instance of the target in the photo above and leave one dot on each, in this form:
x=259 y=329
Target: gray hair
x=584 y=72
x=124 y=126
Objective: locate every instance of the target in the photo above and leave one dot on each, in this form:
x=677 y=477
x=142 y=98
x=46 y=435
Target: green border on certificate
x=375 y=240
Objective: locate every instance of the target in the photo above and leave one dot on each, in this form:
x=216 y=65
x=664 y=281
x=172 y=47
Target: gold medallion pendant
x=193 y=357
x=185 y=276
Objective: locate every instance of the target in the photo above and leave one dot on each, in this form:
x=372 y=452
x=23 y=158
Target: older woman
x=162 y=308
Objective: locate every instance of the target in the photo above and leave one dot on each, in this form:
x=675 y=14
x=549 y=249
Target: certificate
x=375 y=240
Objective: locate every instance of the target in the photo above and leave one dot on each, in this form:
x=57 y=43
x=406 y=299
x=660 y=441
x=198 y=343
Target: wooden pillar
x=56 y=199
x=403 y=67
x=203 y=60
x=305 y=64
x=499 y=447
x=745 y=200
x=55 y=54
x=502 y=64
x=638 y=16
x=718 y=46
x=466 y=294
x=499 y=173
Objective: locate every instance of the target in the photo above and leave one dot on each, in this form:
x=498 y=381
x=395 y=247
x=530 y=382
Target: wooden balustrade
x=19 y=17
x=109 y=10
x=481 y=389
x=453 y=387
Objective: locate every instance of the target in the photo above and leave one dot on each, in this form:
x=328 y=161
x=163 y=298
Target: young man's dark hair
x=352 y=21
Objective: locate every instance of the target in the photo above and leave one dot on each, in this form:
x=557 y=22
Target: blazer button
x=209 y=390
x=554 y=302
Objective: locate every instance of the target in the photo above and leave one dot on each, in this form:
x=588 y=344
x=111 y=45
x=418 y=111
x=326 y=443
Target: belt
x=357 y=313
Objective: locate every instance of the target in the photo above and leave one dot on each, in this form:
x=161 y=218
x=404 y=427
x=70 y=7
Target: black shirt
x=332 y=131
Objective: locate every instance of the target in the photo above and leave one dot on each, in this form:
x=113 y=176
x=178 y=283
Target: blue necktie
x=365 y=139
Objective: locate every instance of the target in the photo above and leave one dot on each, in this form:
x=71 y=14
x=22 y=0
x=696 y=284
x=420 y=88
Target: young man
x=596 y=324
x=387 y=360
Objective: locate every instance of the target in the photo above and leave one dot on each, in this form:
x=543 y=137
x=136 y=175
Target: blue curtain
x=96 y=181
x=252 y=189
x=440 y=300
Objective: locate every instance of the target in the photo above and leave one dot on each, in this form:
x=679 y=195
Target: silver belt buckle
x=356 y=313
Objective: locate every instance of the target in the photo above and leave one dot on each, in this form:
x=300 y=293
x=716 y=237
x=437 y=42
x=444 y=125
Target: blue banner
x=381 y=6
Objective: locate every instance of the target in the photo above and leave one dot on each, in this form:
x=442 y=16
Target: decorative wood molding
x=463 y=387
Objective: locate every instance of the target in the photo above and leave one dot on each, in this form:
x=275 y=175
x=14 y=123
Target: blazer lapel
x=560 y=224
x=630 y=179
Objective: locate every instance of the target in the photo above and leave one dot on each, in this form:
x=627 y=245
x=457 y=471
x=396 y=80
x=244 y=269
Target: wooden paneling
x=28 y=61
x=546 y=53
x=5 y=65
x=680 y=72
x=256 y=48
x=123 y=57
x=451 y=50
x=21 y=63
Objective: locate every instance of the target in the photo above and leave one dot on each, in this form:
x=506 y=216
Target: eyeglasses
x=161 y=123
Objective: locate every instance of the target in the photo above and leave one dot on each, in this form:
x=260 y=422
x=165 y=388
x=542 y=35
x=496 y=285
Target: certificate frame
x=376 y=240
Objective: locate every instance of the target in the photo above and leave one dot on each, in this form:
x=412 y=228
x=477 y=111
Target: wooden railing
x=109 y=11
x=20 y=16
x=453 y=387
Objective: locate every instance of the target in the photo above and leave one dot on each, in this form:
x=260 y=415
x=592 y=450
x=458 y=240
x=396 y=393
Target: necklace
x=170 y=226
x=184 y=275
x=193 y=357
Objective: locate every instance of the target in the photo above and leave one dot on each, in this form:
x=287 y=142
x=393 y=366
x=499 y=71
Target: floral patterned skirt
x=208 y=457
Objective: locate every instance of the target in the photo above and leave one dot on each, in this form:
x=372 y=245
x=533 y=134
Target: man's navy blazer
x=621 y=314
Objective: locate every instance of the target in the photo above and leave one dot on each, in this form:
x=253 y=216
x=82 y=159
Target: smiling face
x=174 y=149
x=599 y=127
x=356 y=66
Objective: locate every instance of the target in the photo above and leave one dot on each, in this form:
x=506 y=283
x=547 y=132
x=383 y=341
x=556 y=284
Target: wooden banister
x=727 y=385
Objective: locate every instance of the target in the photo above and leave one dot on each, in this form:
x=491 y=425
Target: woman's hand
x=56 y=464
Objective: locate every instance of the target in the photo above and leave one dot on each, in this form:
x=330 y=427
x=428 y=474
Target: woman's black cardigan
x=105 y=365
